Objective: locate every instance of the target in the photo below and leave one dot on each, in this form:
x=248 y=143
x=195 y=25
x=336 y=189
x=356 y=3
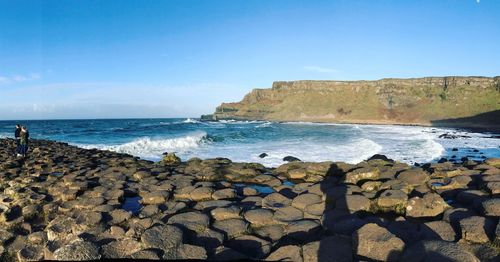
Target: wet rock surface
x=67 y=203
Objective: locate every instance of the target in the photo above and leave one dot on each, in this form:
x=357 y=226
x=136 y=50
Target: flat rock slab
x=276 y=200
x=164 y=238
x=438 y=230
x=476 y=229
x=286 y=253
x=286 y=215
x=491 y=207
x=303 y=230
x=231 y=227
x=430 y=205
x=335 y=248
x=195 y=221
x=77 y=251
x=374 y=242
x=223 y=213
x=434 y=250
x=304 y=200
x=259 y=217
x=251 y=246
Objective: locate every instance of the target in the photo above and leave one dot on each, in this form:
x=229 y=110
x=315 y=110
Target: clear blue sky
x=100 y=59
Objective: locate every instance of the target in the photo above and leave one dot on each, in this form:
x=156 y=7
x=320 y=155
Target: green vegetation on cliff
x=420 y=101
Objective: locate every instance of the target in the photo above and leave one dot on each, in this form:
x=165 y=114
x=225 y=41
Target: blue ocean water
x=246 y=140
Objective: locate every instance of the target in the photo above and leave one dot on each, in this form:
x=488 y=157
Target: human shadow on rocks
x=357 y=230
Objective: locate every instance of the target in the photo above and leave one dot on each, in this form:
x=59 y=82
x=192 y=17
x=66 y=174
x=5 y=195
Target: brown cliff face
x=419 y=101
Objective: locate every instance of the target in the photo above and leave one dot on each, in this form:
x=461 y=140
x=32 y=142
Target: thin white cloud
x=18 y=78
x=320 y=69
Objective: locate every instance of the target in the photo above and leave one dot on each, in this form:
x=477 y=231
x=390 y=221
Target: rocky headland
x=440 y=101
x=68 y=203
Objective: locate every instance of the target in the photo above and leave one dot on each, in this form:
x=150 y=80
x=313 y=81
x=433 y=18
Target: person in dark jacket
x=17 y=136
x=23 y=141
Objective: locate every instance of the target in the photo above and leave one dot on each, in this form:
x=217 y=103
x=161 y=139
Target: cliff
x=415 y=101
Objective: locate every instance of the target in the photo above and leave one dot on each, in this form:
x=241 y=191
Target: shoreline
x=111 y=205
x=460 y=126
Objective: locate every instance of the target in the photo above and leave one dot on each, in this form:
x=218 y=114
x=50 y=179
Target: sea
x=245 y=141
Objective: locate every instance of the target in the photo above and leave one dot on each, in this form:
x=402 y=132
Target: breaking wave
x=153 y=148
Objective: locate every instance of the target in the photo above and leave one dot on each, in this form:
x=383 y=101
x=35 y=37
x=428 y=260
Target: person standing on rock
x=23 y=141
x=17 y=136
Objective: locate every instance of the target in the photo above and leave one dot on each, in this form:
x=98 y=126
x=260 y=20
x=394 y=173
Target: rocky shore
x=67 y=203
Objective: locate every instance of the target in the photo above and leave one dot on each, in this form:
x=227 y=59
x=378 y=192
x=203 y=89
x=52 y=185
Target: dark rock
x=165 y=238
x=251 y=246
x=374 y=242
x=380 y=157
x=290 y=159
x=438 y=230
x=78 y=250
x=333 y=248
x=435 y=250
x=303 y=230
x=477 y=229
x=264 y=155
x=286 y=253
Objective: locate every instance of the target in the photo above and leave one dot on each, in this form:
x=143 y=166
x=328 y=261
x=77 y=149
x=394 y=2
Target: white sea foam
x=265 y=124
x=191 y=121
x=149 y=148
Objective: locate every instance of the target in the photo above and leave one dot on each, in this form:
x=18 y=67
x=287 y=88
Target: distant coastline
x=462 y=102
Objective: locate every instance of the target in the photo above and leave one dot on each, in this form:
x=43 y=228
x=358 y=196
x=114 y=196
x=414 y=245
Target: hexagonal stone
x=430 y=205
x=119 y=215
x=491 y=207
x=121 y=248
x=222 y=213
x=287 y=214
x=251 y=246
x=250 y=191
x=304 y=200
x=353 y=203
x=272 y=232
x=392 y=200
x=59 y=228
x=303 y=230
x=371 y=186
x=276 y=200
x=162 y=237
x=195 y=221
x=154 y=198
x=476 y=229
x=186 y=251
x=437 y=230
x=286 y=253
x=259 y=217
x=377 y=243
x=231 y=227
x=227 y=193
x=414 y=177
x=78 y=250
x=201 y=193
x=335 y=248
x=435 y=250
x=316 y=209
x=364 y=173
x=210 y=239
